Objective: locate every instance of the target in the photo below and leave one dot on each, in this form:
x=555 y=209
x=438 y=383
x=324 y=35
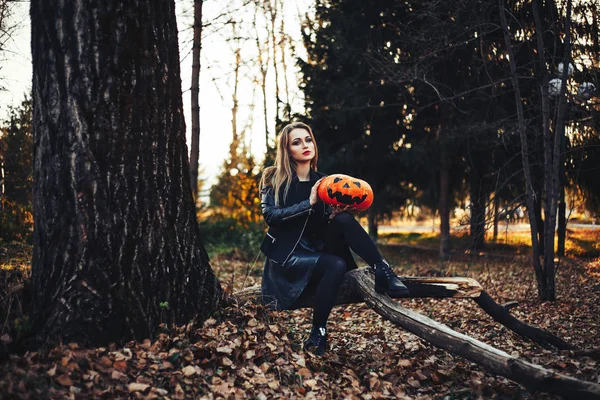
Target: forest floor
x=249 y=352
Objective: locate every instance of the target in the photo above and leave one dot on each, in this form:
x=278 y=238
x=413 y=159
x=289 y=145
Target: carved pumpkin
x=343 y=190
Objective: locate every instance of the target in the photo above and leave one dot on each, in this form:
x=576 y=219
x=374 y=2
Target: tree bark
x=117 y=249
x=195 y=91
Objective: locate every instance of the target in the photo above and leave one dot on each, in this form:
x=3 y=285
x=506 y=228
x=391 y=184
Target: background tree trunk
x=196 y=48
x=478 y=203
x=444 y=203
x=531 y=198
x=373 y=224
x=496 y=216
x=116 y=244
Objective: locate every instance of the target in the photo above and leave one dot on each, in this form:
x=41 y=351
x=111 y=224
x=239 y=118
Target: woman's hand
x=335 y=210
x=314 y=197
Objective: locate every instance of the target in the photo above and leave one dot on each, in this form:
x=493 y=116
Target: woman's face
x=301 y=145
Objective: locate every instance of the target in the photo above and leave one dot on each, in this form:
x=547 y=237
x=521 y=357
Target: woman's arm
x=276 y=215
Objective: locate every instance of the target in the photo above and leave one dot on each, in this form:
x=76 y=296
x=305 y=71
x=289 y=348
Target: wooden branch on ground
x=432 y=287
x=592 y=353
x=358 y=286
x=533 y=377
x=419 y=287
x=500 y=314
x=510 y=305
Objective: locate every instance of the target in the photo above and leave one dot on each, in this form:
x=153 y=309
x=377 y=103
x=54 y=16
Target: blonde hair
x=281 y=173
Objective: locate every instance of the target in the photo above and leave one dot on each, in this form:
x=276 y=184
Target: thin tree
x=263 y=61
x=117 y=249
x=195 y=91
x=545 y=273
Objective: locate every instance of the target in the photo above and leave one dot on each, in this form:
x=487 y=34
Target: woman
x=308 y=243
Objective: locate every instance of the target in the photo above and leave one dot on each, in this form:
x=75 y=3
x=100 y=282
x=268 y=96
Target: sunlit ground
x=15 y=257
x=579 y=242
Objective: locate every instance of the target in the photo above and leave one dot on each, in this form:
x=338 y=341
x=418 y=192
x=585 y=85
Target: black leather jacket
x=286 y=223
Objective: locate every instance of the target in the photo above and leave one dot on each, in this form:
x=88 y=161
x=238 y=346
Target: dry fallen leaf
x=120 y=365
x=137 y=387
x=225 y=349
x=117 y=375
x=305 y=372
x=64 y=380
x=310 y=383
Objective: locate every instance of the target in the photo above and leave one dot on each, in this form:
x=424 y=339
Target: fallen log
x=532 y=376
x=358 y=286
x=419 y=287
x=428 y=287
x=503 y=316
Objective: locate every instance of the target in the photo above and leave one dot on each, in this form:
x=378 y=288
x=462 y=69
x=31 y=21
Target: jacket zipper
x=295 y=215
x=273 y=239
x=299 y=237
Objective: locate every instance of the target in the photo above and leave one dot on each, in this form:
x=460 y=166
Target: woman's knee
x=344 y=219
x=337 y=266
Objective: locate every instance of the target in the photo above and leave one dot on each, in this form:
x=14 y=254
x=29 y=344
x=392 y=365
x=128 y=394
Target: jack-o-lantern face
x=344 y=190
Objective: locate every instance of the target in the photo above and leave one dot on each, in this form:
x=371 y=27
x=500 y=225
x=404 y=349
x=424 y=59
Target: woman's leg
x=328 y=276
x=329 y=271
x=343 y=231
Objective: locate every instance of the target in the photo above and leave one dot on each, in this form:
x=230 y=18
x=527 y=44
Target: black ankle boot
x=386 y=281
x=317 y=341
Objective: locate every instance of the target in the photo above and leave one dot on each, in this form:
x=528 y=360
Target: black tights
x=342 y=232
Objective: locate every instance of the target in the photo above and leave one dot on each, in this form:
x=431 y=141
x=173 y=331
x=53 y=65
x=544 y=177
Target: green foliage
x=229 y=236
x=16 y=174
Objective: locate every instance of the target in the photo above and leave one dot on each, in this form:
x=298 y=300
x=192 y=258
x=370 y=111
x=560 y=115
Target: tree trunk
x=558 y=146
x=272 y=4
x=373 y=225
x=263 y=64
x=530 y=198
x=477 y=230
x=444 y=203
x=117 y=249
x=540 y=223
x=562 y=221
x=282 y=44
x=196 y=48
x=496 y=218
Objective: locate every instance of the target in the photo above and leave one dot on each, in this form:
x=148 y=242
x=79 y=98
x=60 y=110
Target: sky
x=215 y=81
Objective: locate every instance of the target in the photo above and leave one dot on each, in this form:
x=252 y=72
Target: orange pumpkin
x=343 y=190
